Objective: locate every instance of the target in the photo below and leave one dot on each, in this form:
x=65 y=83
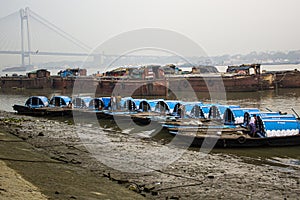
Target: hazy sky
x=218 y=26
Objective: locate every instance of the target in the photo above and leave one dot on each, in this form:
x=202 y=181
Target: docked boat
x=286 y=79
x=192 y=123
x=32 y=106
x=59 y=106
x=81 y=102
x=269 y=129
x=165 y=81
x=190 y=119
x=207 y=78
x=236 y=116
x=39 y=105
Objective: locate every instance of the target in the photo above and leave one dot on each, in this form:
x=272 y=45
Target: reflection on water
x=281 y=100
x=277 y=156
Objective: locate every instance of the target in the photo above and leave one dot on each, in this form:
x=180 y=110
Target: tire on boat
x=241 y=139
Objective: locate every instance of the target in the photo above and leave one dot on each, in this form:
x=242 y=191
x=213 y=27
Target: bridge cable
x=59 y=31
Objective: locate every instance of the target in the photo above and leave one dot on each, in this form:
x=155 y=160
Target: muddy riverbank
x=136 y=163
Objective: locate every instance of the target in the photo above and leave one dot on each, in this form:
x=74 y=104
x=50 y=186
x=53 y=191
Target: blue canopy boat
x=106 y=101
x=144 y=106
x=37 y=102
x=217 y=111
x=145 y=111
x=186 y=114
x=188 y=110
x=128 y=104
x=199 y=111
x=209 y=124
x=38 y=105
x=124 y=108
x=59 y=106
x=96 y=104
x=235 y=116
x=100 y=106
x=60 y=101
x=203 y=112
x=32 y=106
x=81 y=102
x=88 y=107
x=163 y=110
x=157 y=110
x=271 y=129
x=162 y=107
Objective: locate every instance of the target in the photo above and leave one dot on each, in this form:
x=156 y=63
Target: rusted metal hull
x=132 y=87
x=237 y=83
x=25 y=82
x=84 y=84
x=159 y=87
x=287 y=79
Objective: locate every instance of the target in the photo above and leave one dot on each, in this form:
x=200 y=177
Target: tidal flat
x=102 y=161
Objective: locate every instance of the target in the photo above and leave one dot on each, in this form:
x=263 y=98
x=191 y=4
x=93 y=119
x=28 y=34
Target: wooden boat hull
x=25 y=110
x=242 y=141
x=45 y=111
x=58 y=111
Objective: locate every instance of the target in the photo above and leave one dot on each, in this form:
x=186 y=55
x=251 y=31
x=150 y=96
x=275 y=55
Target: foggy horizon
x=217 y=27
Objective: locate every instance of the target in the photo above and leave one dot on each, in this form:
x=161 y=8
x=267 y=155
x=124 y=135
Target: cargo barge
x=154 y=80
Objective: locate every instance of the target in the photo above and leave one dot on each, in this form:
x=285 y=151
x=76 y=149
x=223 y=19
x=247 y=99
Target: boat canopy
x=96 y=103
x=273 y=124
x=266 y=115
x=214 y=112
x=172 y=103
x=279 y=116
x=205 y=108
x=217 y=111
x=128 y=103
x=190 y=109
x=237 y=115
x=163 y=106
x=198 y=111
x=153 y=103
x=137 y=102
x=106 y=101
x=144 y=106
x=37 y=102
x=280 y=127
x=60 y=101
x=81 y=102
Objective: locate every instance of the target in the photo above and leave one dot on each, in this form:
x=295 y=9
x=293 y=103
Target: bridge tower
x=25 y=36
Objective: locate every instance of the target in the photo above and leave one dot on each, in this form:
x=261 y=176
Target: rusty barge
x=154 y=80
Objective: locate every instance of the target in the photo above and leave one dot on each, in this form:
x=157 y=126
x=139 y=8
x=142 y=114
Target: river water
x=281 y=100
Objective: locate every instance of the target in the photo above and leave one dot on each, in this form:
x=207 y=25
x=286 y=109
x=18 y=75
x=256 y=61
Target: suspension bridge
x=19 y=37
x=30 y=37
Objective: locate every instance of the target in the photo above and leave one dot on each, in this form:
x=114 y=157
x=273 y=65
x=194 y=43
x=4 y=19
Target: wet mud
x=135 y=163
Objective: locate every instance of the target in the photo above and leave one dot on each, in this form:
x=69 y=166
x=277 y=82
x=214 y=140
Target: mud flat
x=101 y=162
